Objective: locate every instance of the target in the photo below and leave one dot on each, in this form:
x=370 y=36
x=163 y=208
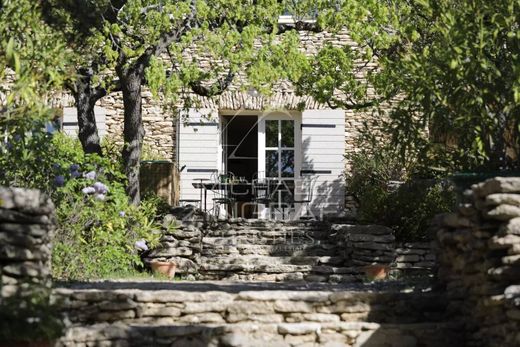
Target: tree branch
x=216 y=89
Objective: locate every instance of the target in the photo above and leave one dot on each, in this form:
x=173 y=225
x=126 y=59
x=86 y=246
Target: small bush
x=406 y=205
x=29 y=319
x=97 y=229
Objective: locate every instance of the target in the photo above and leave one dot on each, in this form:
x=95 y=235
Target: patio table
x=237 y=188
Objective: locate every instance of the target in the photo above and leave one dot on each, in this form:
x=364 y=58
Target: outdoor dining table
x=225 y=186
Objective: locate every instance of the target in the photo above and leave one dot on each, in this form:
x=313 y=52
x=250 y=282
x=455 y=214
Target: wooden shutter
x=70 y=121
x=198 y=142
x=323 y=161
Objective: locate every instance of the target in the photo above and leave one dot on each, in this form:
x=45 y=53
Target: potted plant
x=165 y=268
x=376 y=272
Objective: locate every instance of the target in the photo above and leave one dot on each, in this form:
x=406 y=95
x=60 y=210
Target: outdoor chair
x=261 y=193
x=222 y=195
x=306 y=195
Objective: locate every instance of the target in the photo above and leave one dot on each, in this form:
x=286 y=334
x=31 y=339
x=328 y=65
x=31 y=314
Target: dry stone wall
x=26 y=228
x=242 y=316
x=479 y=259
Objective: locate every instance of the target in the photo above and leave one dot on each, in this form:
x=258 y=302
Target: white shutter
x=70 y=121
x=198 y=143
x=323 y=161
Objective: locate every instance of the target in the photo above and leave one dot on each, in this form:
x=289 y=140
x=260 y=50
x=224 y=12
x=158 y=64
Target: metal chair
x=261 y=193
x=222 y=196
x=307 y=195
x=286 y=189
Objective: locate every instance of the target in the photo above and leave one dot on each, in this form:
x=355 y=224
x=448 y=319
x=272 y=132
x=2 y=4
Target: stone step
x=252 y=240
x=271 y=260
x=281 y=249
x=269 y=233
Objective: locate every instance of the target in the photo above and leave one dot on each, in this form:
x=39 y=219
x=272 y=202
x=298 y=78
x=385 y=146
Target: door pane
x=271 y=163
x=287 y=162
x=271 y=133
x=287 y=133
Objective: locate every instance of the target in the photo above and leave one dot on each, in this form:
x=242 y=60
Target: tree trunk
x=133 y=130
x=86 y=98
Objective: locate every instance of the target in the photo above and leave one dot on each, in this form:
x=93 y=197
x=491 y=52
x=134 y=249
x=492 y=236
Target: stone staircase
x=253 y=314
x=273 y=251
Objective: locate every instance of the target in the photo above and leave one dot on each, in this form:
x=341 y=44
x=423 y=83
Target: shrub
x=29 y=319
x=97 y=228
x=407 y=206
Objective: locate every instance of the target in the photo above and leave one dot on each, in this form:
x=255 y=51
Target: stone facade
x=160 y=123
x=26 y=228
x=479 y=248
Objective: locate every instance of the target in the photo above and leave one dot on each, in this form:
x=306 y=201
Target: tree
x=454 y=67
x=135 y=34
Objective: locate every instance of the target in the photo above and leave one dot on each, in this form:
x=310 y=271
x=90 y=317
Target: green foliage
x=462 y=84
x=98 y=230
x=387 y=195
x=29 y=154
x=29 y=319
x=451 y=69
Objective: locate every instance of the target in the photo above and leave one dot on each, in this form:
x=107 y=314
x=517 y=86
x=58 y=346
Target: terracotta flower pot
x=377 y=272
x=164 y=268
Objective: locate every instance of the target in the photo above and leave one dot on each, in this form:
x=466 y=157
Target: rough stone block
x=247 y=307
x=497 y=185
x=298 y=328
x=287 y=306
x=504 y=212
x=208 y=317
x=503 y=199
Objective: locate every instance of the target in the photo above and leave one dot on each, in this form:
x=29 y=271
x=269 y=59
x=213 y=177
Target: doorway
x=240 y=157
x=240 y=146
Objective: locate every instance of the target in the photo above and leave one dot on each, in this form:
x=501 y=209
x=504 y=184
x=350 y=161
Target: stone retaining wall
x=479 y=259
x=365 y=245
x=225 y=317
x=415 y=256
x=26 y=227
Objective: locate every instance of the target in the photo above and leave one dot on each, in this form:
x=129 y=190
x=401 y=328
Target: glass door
x=279 y=156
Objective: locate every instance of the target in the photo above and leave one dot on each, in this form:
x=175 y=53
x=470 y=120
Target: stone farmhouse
x=282 y=135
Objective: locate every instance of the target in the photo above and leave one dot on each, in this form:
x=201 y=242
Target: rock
x=503 y=199
x=115 y=315
x=287 y=306
x=171 y=252
x=497 y=185
x=308 y=296
x=321 y=317
x=453 y=220
x=371 y=238
x=298 y=340
x=512 y=292
x=157 y=310
x=30 y=201
x=200 y=307
x=299 y=328
x=512 y=227
x=501 y=242
x=408 y=258
x=504 y=212
x=246 y=307
x=208 y=317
